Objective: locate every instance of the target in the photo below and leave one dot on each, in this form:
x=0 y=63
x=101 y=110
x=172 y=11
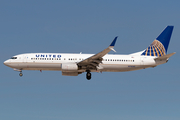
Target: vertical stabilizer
x=160 y=45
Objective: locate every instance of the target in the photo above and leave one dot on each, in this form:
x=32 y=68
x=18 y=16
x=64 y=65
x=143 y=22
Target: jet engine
x=69 y=67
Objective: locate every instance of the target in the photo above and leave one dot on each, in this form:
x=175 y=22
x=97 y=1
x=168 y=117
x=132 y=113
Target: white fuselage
x=54 y=61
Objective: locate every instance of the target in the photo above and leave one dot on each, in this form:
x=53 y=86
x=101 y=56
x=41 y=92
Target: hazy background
x=74 y=26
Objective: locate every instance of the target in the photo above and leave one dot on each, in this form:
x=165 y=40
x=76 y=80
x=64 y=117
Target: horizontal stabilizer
x=165 y=57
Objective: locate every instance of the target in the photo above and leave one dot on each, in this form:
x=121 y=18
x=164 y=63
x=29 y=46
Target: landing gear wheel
x=20 y=74
x=88 y=75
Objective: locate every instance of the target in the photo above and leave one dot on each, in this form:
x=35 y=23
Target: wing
x=93 y=61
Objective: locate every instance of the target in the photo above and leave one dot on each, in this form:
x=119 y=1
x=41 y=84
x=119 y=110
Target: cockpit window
x=13 y=57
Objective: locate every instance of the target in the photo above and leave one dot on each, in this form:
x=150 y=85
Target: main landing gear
x=88 y=74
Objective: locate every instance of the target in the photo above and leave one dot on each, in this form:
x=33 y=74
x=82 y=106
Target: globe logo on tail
x=155 y=49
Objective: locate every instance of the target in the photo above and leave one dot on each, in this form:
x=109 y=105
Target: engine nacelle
x=69 y=67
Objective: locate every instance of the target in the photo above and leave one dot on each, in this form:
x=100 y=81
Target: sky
x=74 y=26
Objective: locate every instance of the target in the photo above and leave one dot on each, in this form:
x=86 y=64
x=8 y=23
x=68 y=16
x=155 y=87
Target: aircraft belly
x=121 y=68
x=38 y=66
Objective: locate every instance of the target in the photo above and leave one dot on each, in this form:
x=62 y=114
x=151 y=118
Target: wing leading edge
x=93 y=61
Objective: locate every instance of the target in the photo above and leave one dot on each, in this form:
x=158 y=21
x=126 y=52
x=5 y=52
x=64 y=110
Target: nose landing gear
x=19 y=70
x=20 y=74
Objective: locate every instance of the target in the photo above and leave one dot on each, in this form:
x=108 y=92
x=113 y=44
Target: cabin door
x=25 y=59
x=142 y=61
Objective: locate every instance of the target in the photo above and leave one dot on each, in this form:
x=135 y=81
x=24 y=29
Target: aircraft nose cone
x=6 y=62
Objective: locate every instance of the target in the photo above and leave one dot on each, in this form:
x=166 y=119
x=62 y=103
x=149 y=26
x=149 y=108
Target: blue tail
x=160 y=45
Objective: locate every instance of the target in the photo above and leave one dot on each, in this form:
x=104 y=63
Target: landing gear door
x=24 y=59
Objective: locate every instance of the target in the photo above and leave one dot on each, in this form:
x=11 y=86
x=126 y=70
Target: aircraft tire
x=88 y=75
x=20 y=74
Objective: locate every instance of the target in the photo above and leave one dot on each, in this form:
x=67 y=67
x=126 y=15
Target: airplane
x=75 y=64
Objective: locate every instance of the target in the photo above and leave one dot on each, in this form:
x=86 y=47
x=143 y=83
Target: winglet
x=113 y=42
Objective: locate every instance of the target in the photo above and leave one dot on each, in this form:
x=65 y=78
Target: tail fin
x=159 y=46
